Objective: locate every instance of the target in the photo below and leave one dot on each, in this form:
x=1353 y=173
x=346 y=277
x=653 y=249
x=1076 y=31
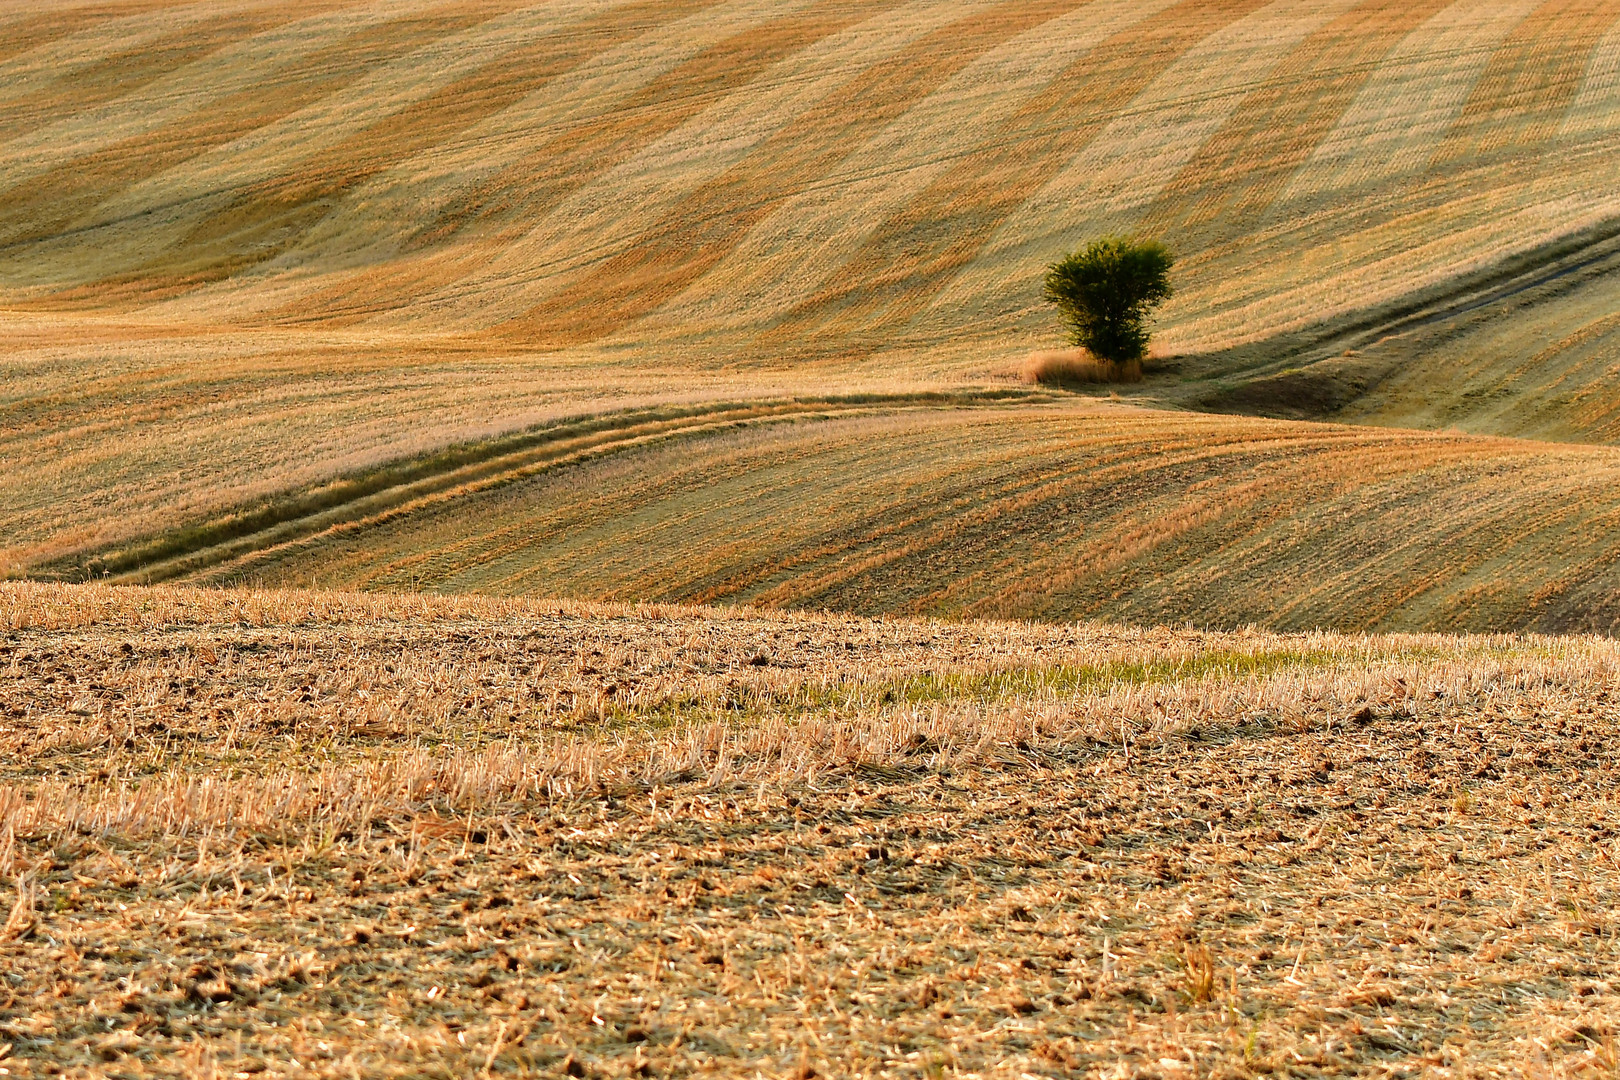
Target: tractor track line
x=388 y=491
x=1561 y=259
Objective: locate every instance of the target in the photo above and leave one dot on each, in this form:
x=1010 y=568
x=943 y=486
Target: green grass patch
x=931 y=687
x=745 y=704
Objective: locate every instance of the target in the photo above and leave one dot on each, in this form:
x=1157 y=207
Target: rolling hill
x=803 y=175
x=259 y=260
x=1015 y=510
x=587 y=311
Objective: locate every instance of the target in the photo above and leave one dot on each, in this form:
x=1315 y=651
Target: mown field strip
x=1239 y=171
x=1104 y=187
x=580 y=221
x=1052 y=512
x=283 y=172
x=824 y=223
x=585 y=222
x=402 y=488
x=1521 y=99
x=136 y=82
x=917 y=249
x=1600 y=91
x=704 y=226
x=587 y=172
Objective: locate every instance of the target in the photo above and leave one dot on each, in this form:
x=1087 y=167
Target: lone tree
x=1106 y=293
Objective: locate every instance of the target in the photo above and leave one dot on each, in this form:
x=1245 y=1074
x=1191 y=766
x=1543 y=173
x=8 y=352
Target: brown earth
x=337 y=835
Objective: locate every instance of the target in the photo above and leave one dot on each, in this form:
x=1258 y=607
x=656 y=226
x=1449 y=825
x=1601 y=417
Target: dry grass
x=1075 y=367
x=325 y=834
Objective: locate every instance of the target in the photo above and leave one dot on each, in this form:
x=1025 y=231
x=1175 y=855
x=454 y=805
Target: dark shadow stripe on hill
x=1316 y=372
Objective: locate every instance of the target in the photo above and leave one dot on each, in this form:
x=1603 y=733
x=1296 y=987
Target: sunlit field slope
x=1527 y=348
x=251 y=248
x=778 y=175
x=1543 y=365
x=315 y=834
x=1050 y=512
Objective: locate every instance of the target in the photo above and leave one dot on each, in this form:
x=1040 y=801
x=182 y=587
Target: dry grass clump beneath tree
x=1076 y=367
x=313 y=834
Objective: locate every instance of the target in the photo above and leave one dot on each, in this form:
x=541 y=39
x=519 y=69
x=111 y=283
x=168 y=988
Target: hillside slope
x=1019 y=510
x=1526 y=348
x=1542 y=366
x=810 y=174
x=252 y=250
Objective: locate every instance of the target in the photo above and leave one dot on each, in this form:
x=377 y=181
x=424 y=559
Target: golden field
x=308 y=833
x=1209 y=726
x=254 y=249
x=786 y=175
x=983 y=509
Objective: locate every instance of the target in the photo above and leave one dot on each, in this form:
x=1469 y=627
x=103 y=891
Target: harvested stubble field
x=718 y=300
x=300 y=833
x=248 y=247
x=1015 y=509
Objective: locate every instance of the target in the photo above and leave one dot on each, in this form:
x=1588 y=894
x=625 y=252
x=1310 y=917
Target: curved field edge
x=1069 y=510
x=1425 y=361
x=384 y=492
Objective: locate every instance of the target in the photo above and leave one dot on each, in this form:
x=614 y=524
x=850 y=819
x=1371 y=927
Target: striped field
x=251 y=247
x=1059 y=512
x=787 y=175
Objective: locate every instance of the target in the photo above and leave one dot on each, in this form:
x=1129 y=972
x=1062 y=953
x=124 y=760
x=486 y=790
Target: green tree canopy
x=1106 y=292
